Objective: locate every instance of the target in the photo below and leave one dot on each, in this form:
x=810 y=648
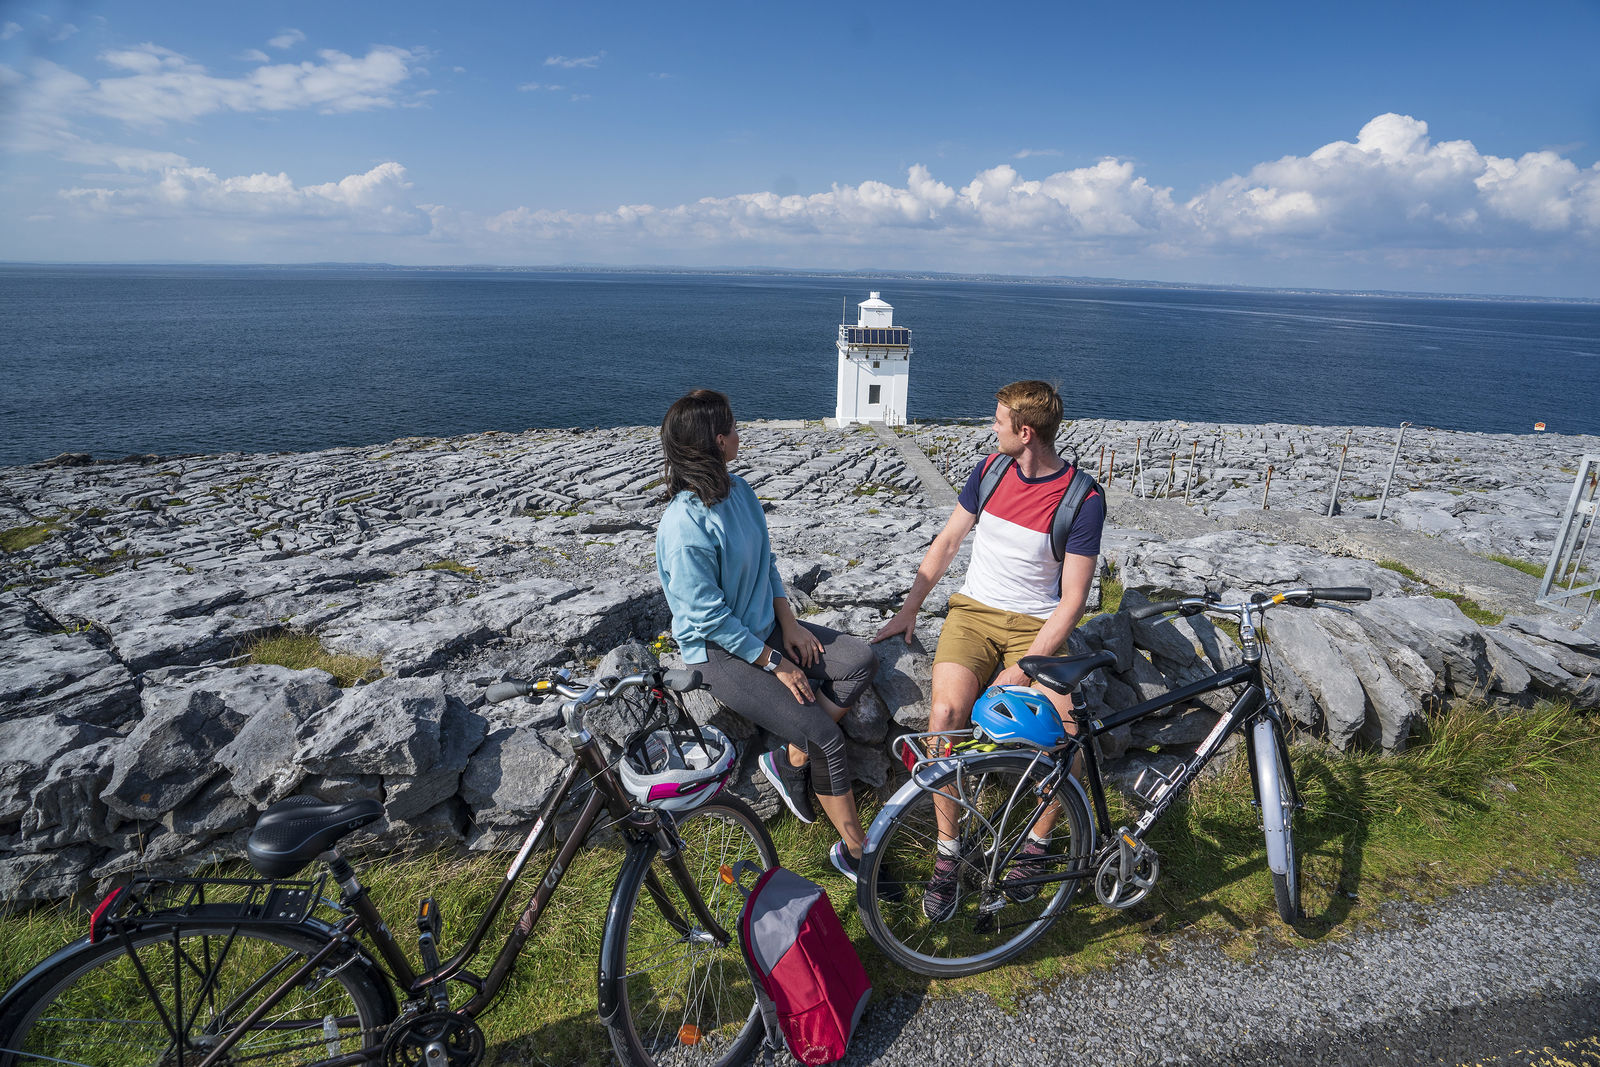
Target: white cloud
x=157 y=85
x=255 y=55
x=1393 y=186
x=1392 y=194
x=287 y=39
x=567 y=63
x=9 y=30
x=534 y=87
x=378 y=201
x=1030 y=153
x=63 y=32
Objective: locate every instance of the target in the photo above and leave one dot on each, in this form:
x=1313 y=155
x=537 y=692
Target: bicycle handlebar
x=678 y=680
x=1300 y=598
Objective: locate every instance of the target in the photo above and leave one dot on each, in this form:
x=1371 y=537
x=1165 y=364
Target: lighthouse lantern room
x=874 y=366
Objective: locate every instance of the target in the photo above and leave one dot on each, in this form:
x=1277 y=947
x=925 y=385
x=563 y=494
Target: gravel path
x=1471 y=979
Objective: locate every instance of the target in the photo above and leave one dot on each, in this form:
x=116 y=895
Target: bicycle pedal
x=428 y=921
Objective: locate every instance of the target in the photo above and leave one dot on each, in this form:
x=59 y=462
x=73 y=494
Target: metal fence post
x=1333 y=497
x=1392 y=463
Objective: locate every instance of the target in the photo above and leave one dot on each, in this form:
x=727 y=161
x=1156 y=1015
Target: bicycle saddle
x=1063 y=673
x=293 y=832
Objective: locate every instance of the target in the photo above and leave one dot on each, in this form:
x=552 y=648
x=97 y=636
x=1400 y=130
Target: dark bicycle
x=974 y=886
x=214 y=972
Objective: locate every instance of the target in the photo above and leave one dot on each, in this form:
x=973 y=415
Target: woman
x=732 y=621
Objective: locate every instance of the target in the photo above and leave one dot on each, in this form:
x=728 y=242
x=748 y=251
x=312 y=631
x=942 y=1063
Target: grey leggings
x=841 y=674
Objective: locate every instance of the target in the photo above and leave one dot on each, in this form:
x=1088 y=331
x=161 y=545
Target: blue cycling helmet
x=1018 y=715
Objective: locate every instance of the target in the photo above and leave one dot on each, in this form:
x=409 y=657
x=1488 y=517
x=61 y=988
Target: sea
x=117 y=361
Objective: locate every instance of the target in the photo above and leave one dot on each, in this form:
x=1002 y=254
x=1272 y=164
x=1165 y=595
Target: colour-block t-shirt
x=1013 y=566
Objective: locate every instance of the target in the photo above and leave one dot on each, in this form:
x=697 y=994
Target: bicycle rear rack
x=267 y=900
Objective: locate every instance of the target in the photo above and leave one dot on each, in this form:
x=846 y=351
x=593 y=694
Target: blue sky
x=1434 y=147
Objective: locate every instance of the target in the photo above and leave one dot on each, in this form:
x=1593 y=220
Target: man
x=1016 y=601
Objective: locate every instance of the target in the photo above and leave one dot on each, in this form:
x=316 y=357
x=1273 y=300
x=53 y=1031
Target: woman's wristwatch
x=770 y=661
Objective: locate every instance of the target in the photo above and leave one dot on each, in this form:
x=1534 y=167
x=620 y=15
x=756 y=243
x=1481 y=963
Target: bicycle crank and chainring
x=1122 y=885
x=433 y=1039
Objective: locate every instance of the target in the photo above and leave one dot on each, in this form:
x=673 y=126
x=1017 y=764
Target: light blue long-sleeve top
x=720 y=576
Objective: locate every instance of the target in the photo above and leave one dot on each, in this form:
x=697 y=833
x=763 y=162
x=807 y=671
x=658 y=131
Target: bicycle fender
x=613 y=947
x=1266 y=750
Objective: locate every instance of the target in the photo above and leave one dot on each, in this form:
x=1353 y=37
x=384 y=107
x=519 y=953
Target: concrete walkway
x=934 y=487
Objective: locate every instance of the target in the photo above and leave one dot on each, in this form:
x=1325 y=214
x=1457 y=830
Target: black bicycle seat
x=293 y=832
x=1063 y=673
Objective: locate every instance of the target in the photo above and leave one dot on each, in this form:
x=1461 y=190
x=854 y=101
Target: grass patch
x=302 y=651
x=1480 y=796
x=1110 y=595
x=21 y=538
x=453 y=566
x=1399 y=568
x=1471 y=608
x=1535 y=570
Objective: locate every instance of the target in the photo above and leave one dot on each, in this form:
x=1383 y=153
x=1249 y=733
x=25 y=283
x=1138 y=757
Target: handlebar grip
x=507 y=691
x=1342 y=592
x=682 y=681
x=1160 y=607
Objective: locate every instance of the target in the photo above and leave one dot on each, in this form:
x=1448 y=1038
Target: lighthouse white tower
x=874 y=367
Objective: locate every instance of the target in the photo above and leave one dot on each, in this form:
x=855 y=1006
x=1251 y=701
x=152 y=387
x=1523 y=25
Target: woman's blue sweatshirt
x=720 y=576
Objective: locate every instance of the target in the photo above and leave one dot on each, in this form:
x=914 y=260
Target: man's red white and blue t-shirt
x=1013 y=566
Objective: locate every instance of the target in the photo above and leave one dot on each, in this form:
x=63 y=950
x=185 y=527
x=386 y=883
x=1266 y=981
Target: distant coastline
x=865 y=274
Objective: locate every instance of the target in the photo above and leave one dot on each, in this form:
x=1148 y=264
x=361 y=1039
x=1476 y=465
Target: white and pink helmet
x=677 y=769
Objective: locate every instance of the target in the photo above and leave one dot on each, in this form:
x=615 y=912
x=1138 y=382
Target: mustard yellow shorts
x=982 y=639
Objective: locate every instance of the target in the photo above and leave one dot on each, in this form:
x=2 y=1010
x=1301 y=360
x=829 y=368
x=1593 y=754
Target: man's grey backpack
x=1079 y=489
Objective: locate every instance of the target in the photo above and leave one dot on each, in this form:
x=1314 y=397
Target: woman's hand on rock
x=802 y=644
x=796 y=680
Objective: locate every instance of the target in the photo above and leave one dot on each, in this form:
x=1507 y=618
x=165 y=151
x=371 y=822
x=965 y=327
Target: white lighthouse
x=874 y=366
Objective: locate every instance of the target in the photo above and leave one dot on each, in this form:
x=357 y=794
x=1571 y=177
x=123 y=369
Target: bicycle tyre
x=94 y=1008
x=1277 y=816
x=970 y=940
x=666 y=981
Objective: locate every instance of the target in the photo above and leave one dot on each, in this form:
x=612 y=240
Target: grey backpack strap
x=1078 y=490
x=989 y=481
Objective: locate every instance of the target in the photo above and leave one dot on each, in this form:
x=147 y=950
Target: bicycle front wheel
x=1277 y=820
x=685 y=997
x=170 y=993
x=942 y=922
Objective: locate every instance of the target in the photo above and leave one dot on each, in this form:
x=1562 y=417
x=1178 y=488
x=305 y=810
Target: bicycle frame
x=640 y=825
x=1254 y=701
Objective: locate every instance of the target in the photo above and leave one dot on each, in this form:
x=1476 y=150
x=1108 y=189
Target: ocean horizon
x=122 y=359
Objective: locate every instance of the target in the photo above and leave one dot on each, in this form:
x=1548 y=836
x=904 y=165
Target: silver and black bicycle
x=987 y=844
x=214 y=972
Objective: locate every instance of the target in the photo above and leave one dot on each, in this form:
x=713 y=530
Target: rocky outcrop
x=137 y=732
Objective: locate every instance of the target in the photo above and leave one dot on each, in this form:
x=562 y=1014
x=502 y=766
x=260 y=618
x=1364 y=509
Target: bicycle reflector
x=102 y=914
x=689 y=1034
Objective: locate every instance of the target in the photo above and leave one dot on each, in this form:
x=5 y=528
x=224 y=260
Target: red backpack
x=809 y=980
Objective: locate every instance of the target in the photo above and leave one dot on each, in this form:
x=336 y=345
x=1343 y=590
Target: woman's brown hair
x=691 y=457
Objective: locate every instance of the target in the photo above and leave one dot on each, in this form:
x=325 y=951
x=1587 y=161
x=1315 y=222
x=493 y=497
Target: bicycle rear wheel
x=683 y=997
x=1277 y=820
x=171 y=992
x=985 y=926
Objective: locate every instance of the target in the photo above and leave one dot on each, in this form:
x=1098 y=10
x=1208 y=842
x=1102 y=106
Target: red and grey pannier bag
x=809 y=980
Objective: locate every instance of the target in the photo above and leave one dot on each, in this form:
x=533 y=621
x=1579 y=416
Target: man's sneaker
x=890 y=887
x=791 y=782
x=944 y=889
x=1032 y=861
